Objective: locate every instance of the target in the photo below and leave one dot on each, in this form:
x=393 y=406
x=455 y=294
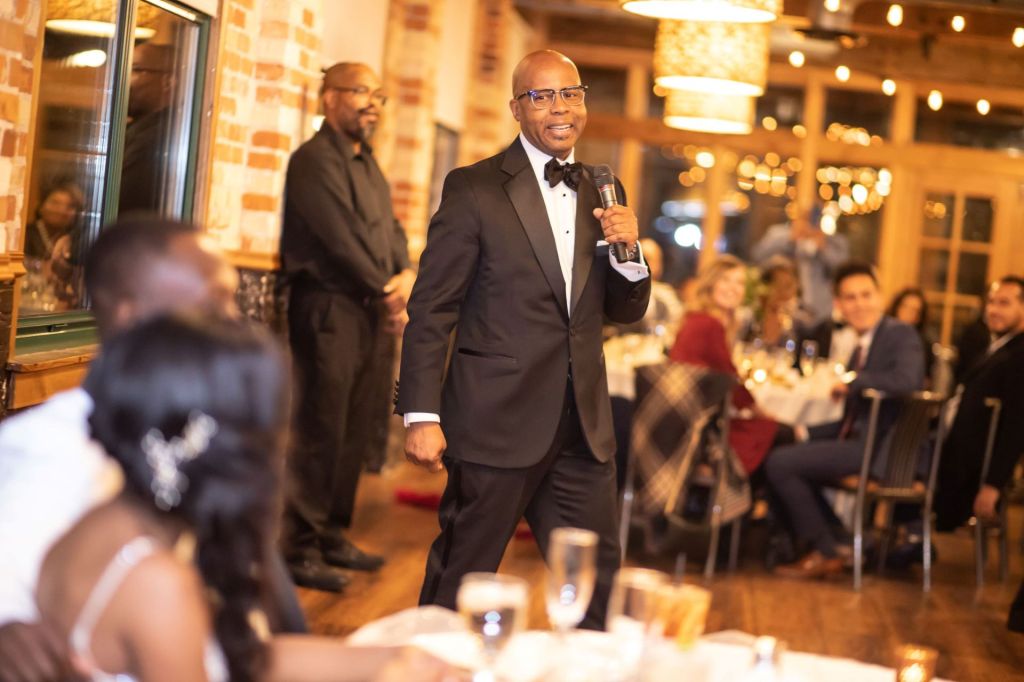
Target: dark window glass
x=606 y=89
x=960 y=124
x=855 y=117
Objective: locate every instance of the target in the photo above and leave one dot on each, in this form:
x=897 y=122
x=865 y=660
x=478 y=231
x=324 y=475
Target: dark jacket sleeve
x=625 y=302
x=897 y=365
x=311 y=191
x=446 y=269
x=1010 y=434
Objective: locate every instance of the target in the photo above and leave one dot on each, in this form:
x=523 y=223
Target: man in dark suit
x=888 y=358
x=998 y=373
x=345 y=260
x=516 y=258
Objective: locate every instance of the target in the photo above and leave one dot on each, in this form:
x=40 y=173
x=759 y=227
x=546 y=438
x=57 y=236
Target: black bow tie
x=570 y=173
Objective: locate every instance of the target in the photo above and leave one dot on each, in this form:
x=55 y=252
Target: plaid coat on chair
x=676 y=447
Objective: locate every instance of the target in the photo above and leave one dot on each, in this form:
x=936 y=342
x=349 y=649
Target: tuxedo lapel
x=523 y=192
x=587 y=234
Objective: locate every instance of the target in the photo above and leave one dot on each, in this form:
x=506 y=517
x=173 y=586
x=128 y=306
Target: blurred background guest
x=706 y=338
x=909 y=307
x=49 y=241
x=780 y=317
x=817 y=256
x=665 y=309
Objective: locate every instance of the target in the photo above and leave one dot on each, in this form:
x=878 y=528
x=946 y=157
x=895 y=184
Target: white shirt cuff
x=632 y=270
x=414 y=417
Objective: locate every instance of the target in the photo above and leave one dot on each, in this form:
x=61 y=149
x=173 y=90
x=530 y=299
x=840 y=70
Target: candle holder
x=915 y=663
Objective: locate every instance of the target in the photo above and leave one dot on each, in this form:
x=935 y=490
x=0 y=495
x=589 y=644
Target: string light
x=1018 y=36
x=796 y=58
x=934 y=100
x=895 y=15
x=843 y=73
x=832 y=5
x=889 y=87
x=984 y=107
x=958 y=23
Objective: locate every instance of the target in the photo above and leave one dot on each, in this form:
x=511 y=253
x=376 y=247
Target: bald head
x=343 y=74
x=352 y=100
x=548 y=122
x=541 y=59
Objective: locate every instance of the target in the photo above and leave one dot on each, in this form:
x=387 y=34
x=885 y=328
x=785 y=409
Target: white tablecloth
x=537 y=656
x=623 y=354
x=803 y=401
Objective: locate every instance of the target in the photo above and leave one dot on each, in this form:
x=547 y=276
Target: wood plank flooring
x=965 y=624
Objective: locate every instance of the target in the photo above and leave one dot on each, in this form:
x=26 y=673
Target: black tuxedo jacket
x=1000 y=375
x=491 y=269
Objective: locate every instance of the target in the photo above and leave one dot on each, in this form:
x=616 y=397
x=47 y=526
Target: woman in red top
x=706 y=337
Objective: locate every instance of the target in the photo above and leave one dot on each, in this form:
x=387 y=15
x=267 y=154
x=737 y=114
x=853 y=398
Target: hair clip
x=165 y=456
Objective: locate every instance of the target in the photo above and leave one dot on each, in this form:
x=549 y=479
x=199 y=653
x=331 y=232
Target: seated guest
x=909 y=307
x=999 y=373
x=706 y=338
x=166 y=580
x=781 y=318
x=887 y=358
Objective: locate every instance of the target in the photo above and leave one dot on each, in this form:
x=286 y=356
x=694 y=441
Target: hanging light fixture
x=712 y=57
x=709 y=113
x=739 y=11
x=94 y=19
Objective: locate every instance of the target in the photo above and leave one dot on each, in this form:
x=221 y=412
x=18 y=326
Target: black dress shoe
x=347 y=555
x=317 y=575
x=909 y=553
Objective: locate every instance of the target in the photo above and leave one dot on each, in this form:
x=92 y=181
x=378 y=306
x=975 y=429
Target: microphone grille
x=603 y=175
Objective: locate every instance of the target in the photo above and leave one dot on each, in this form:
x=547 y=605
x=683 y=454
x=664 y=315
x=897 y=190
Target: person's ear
x=513 y=105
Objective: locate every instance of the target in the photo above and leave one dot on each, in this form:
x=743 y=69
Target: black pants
x=481 y=506
x=333 y=341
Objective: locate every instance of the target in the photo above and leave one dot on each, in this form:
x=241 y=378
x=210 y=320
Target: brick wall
x=19 y=36
x=268 y=72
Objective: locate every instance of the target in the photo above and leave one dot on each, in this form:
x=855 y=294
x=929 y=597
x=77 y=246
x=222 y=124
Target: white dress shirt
x=560 y=202
x=51 y=474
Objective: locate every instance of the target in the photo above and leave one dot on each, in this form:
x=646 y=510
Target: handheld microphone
x=605 y=182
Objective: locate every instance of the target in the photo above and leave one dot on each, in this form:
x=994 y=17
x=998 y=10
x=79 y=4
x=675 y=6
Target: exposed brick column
x=268 y=75
x=405 y=142
x=488 y=121
x=19 y=35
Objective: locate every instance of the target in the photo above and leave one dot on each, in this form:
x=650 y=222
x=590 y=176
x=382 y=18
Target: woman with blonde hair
x=705 y=339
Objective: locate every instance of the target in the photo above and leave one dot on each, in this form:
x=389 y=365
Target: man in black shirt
x=344 y=257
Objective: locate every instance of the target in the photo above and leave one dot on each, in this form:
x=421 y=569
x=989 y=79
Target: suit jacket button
x=572 y=331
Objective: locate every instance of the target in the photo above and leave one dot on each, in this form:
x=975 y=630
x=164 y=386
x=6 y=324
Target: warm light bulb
x=843 y=73
x=889 y=87
x=895 y=15
x=958 y=23
x=832 y=5
x=796 y=58
x=984 y=107
x=1018 y=36
x=934 y=100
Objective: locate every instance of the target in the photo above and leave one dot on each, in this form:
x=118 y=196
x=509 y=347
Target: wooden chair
x=898 y=483
x=999 y=526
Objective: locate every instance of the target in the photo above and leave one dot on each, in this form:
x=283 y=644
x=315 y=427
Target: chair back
x=899 y=453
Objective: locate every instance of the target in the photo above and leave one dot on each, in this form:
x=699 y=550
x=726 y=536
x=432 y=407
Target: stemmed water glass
x=808 y=354
x=494 y=607
x=572 y=559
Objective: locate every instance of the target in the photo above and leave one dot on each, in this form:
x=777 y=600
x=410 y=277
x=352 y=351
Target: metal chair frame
x=897 y=484
x=980 y=539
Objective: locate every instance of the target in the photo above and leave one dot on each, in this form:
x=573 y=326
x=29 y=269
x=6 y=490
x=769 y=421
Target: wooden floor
x=965 y=624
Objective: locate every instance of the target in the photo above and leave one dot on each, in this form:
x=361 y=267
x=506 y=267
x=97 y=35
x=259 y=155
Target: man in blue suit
x=888 y=358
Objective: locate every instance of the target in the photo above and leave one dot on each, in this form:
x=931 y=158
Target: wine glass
x=633 y=611
x=572 y=556
x=494 y=607
x=808 y=354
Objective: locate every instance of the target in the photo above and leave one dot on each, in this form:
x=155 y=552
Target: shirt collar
x=538 y=159
x=1000 y=341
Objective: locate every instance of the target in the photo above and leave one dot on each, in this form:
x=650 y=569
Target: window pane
x=938 y=215
x=934 y=270
x=972 y=273
x=856 y=117
x=669 y=211
x=784 y=106
x=68 y=168
x=160 y=100
x=963 y=316
x=960 y=124
x=606 y=89
x=977 y=219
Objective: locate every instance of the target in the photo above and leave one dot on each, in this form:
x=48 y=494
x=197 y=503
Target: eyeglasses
x=378 y=96
x=545 y=99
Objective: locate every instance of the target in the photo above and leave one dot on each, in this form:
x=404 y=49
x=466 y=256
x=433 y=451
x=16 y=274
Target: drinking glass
x=494 y=607
x=632 y=613
x=808 y=354
x=572 y=558
x=683 y=612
